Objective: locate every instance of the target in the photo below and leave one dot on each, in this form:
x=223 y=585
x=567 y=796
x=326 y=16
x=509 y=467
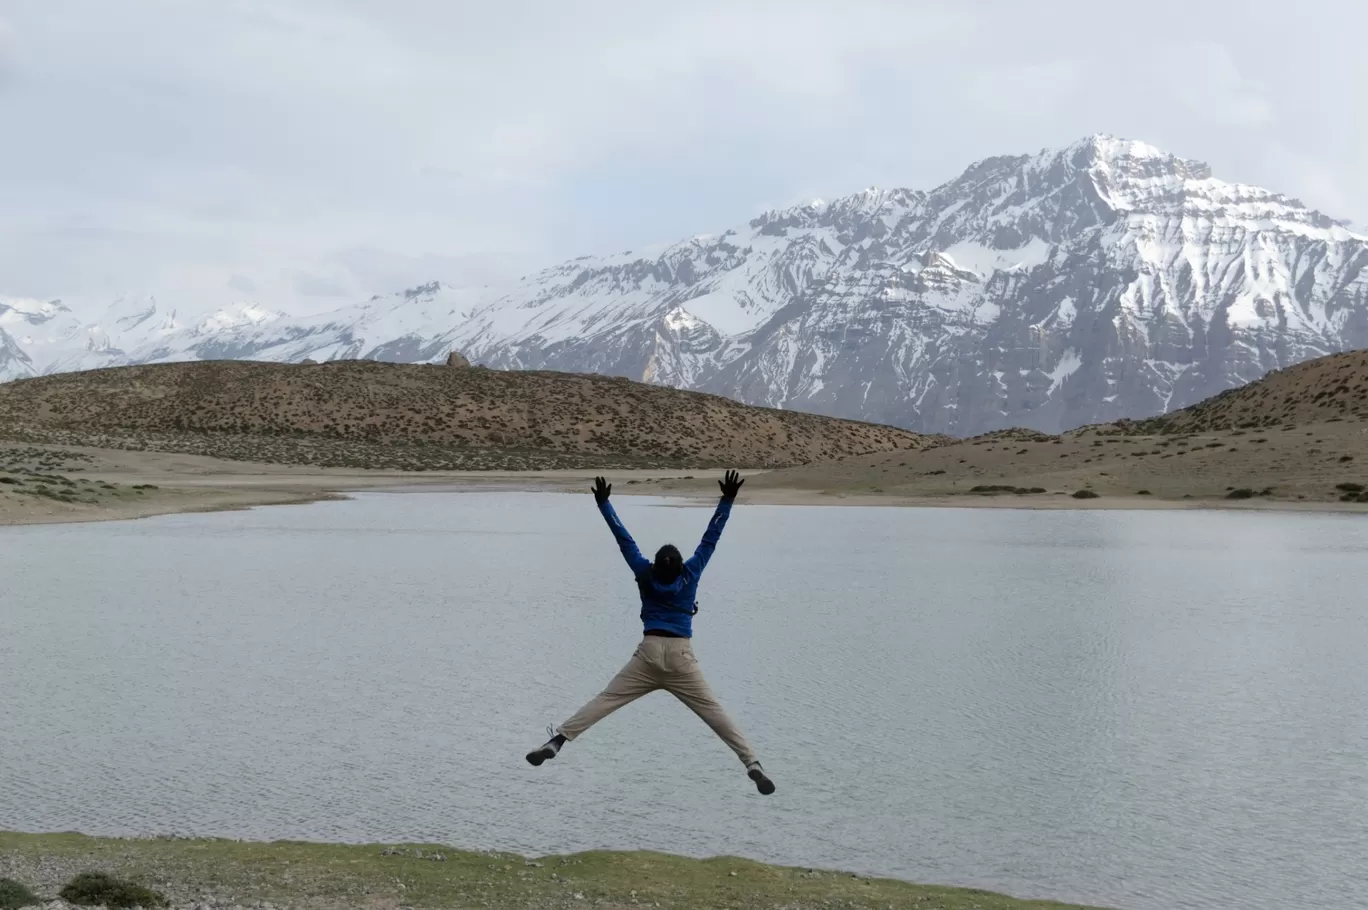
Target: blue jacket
x=668 y=608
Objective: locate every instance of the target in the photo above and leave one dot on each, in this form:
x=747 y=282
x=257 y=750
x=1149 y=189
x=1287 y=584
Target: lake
x=1134 y=709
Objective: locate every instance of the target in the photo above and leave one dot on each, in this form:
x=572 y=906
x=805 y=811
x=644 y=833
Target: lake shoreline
x=181 y=485
x=217 y=873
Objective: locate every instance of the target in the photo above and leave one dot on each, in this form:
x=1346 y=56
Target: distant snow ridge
x=1108 y=279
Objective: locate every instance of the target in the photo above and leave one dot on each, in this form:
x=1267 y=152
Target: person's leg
x=639 y=677
x=684 y=680
x=634 y=680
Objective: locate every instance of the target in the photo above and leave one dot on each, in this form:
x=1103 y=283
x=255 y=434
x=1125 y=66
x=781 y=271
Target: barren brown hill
x=1326 y=389
x=1298 y=436
x=370 y=414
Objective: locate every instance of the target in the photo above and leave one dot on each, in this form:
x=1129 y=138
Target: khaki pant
x=662 y=663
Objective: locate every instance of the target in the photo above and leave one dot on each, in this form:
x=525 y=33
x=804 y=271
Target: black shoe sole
x=762 y=783
x=538 y=756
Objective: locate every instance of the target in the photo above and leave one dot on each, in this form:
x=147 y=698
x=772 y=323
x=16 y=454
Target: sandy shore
x=156 y=483
x=159 y=483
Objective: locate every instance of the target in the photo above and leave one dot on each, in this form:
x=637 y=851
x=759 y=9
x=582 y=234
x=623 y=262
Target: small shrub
x=94 y=889
x=1349 y=487
x=14 y=895
x=1344 y=458
x=1084 y=494
x=1242 y=493
x=1142 y=493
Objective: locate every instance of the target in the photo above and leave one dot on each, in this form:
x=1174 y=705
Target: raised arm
x=731 y=485
x=635 y=561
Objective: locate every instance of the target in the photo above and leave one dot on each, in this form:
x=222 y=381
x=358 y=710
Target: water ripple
x=1139 y=710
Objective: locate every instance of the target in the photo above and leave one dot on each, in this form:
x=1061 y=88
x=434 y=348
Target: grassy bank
x=293 y=874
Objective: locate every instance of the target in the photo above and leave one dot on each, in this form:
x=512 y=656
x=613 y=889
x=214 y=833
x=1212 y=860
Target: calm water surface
x=1141 y=710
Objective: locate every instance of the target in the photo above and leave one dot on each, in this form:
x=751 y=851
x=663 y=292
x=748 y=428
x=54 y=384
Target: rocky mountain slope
x=369 y=414
x=1105 y=280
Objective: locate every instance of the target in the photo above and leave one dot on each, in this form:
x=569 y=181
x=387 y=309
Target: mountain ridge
x=419 y=417
x=1104 y=280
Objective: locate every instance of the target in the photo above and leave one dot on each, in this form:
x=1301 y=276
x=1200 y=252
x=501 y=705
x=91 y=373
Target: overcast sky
x=309 y=152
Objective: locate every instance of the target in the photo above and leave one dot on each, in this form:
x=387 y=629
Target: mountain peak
x=1131 y=157
x=423 y=290
x=1099 y=159
x=244 y=314
x=1107 y=147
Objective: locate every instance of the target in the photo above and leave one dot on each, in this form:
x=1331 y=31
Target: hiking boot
x=757 y=774
x=548 y=751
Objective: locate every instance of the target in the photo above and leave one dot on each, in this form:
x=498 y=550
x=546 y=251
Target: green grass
x=96 y=889
x=14 y=895
x=289 y=872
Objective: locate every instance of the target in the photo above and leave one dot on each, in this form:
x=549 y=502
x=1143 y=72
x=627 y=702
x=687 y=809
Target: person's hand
x=601 y=489
x=730 y=484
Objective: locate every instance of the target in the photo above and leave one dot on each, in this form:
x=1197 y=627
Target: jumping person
x=665 y=658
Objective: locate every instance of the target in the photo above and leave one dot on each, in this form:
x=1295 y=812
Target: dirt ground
x=1321 y=466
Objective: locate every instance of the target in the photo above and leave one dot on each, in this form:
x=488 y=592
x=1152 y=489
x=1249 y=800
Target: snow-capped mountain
x=49 y=336
x=1108 y=279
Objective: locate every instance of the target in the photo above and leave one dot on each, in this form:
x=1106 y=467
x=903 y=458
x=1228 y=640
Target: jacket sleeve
x=699 y=560
x=635 y=560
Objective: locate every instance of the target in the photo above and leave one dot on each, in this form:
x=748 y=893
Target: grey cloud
x=263 y=138
x=242 y=283
x=9 y=53
x=318 y=286
x=383 y=271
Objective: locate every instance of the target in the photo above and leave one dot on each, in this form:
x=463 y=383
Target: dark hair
x=668 y=565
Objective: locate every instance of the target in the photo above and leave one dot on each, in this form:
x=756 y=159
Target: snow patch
x=725 y=313
x=984 y=260
x=1068 y=364
x=16 y=310
x=681 y=320
x=238 y=316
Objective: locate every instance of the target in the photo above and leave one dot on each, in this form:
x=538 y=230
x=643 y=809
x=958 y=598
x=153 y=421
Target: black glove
x=731 y=485
x=602 y=489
